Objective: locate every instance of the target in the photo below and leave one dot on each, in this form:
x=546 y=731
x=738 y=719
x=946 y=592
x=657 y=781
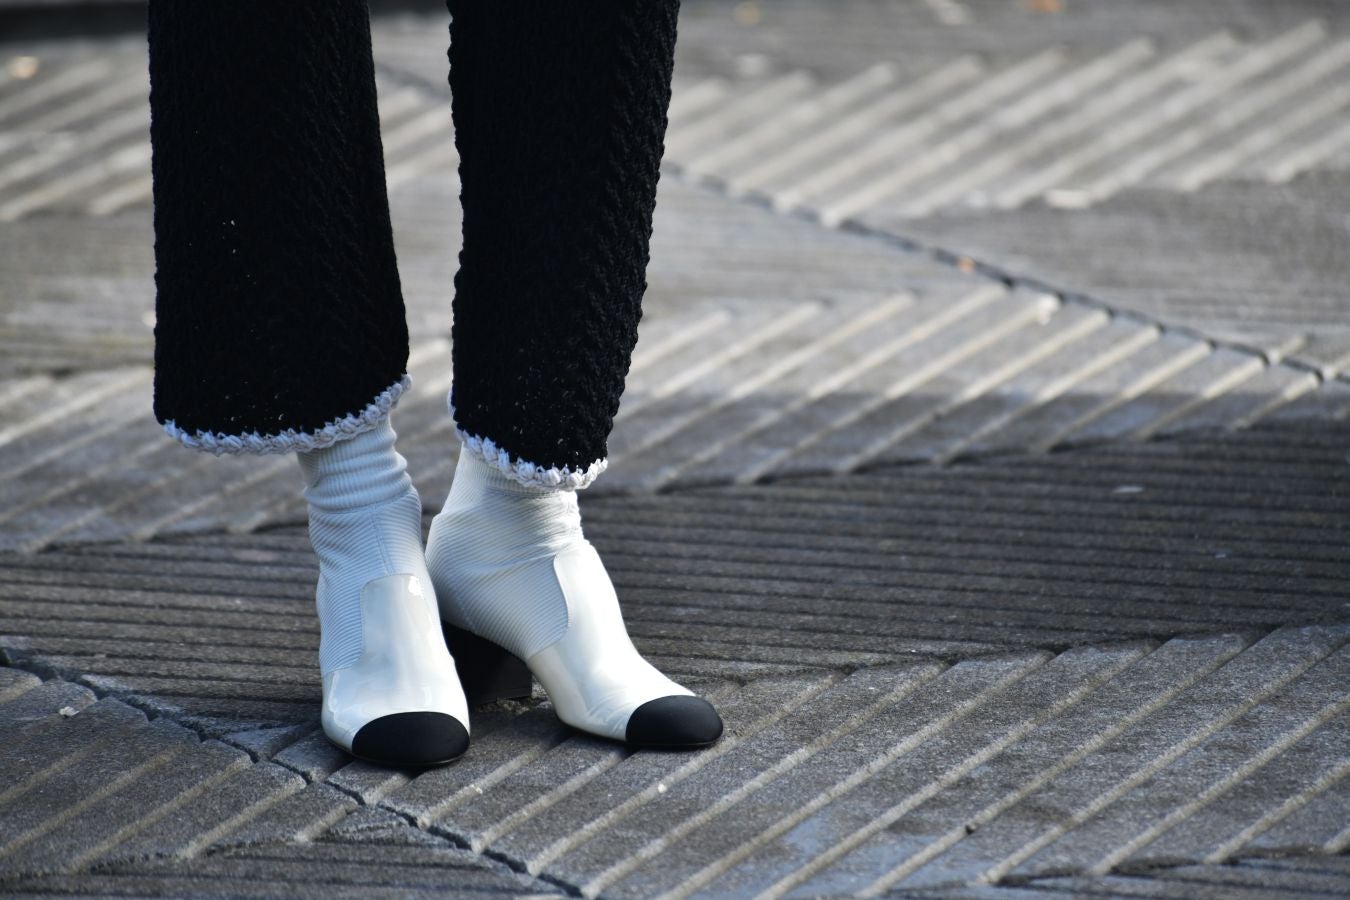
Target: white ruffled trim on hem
x=523 y=471
x=290 y=439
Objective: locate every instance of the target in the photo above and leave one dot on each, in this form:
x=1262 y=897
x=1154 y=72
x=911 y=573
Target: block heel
x=486 y=671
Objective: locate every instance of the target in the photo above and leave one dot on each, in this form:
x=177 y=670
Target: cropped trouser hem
x=290 y=440
x=522 y=471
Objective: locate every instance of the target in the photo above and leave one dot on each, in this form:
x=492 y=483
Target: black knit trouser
x=280 y=321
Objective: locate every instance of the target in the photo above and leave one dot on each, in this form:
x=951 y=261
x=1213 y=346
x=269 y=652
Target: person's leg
x=560 y=117
x=280 y=328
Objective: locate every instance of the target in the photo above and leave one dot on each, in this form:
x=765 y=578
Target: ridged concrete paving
x=1010 y=543
x=1005 y=767
x=968 y=674
x=770 y=347
x=1182 y=162
x=1116 y=543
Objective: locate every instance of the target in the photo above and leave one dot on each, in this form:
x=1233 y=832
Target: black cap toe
x=411 y=739
x=677 y=722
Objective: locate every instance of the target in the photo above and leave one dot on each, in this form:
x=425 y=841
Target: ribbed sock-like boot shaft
x=355 y=472
x=492 y=548
x=365 y=522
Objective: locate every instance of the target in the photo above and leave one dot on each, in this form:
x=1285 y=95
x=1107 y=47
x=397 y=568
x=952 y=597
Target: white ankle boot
x=391 y=694
x=514 y=575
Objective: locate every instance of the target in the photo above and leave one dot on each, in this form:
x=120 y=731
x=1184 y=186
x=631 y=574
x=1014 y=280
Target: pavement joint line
x=430 y=820
x=884 y=310
x=157 y=761
x=724 y=863
x=993 y=810
x=1275 y=816
x=989 y=751
x=83 y=858
x=1223 y=785
x=924 y=673
x=599 y=824
x=965 y=263
x=130 y=697
x=996 y=874
x=980 y=386
x=1012 y=280
x=966 y=307
x=962 y=262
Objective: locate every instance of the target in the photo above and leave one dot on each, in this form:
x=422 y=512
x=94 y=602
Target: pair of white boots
x=507 y=578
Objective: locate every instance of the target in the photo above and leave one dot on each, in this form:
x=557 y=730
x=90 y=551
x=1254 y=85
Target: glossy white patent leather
x=594 y=675
x=404 y=664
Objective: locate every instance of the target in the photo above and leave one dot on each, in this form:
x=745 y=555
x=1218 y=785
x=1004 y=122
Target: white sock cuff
x=522 y=471
x=357 y=472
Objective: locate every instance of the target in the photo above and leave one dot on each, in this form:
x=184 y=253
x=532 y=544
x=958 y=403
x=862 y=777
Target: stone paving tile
x=908 y=721
x=316 y=870
x=770 y=346
x=1244 y=262
x=1245 y=880
x=1118 y=542
x=1206 y=157
x=1009 y=767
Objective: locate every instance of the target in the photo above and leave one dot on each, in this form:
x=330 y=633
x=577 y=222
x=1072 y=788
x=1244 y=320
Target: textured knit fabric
x=278 y=304
x=560 y=117
x=365 y=522
x=280 y=321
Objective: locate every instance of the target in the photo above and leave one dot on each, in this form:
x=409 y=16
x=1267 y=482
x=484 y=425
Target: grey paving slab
x=1185 y=172
x=900 y=776
x=835 y=789
x=127 y=774
x=1307 y=771
x=938 y=823
x=52 y=746
x=1058 y=808
x=1316 y=826
x=316 y=870
x=1153 y=539
x=959 y=746
x=1242 y=881
x=1261 y=279
x=296 y=817
x=1205 y=773
x=513 y=740
x=212 y=816
x=1112 y=671
x=14 y=682
x=375 y=825
x=1153 y=410
x=39 y=701
x=121 y=814
x=744 y=369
